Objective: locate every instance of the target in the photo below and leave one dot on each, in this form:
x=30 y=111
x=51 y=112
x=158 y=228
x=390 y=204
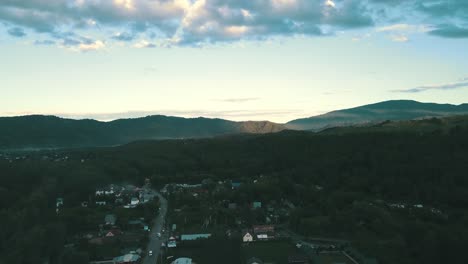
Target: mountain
x=434 y=125
x=36 y=131
x=374 y=113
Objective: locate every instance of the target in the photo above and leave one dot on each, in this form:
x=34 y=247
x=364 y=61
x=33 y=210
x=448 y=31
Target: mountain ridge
x=377 y=112
x=46 y=131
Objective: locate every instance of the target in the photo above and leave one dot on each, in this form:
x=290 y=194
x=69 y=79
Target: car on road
x=150 y=253
x=158 y=234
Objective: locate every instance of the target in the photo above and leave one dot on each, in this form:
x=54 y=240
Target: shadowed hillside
x=54 y=132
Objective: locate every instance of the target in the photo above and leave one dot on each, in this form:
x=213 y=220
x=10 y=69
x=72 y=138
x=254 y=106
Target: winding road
x=154 y=243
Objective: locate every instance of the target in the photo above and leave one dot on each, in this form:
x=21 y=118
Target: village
x=205 y=222
x=212 y=220
x=114 y=224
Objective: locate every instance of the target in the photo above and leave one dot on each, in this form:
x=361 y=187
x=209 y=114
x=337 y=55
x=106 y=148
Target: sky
x=274 y=60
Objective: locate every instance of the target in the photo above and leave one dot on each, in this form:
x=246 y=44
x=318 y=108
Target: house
x=110 y=219
x=182 y=261
x=256 y=205
x=127 y=259
x=264 y=232
x=84 y=204
x=254 y=261
x=247 y=237
x=59 y=202
x=171 y=243
x=134 y=201
x=113 y=233
x=235 y=184
x=194 y=237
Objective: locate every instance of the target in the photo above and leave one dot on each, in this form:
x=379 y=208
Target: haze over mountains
x=373 y=113
x=30 y=132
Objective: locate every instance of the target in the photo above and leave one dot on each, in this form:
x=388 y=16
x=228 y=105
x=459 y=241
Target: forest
x=361 y=174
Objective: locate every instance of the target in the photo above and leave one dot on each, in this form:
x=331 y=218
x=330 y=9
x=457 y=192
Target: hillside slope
x=373 y=113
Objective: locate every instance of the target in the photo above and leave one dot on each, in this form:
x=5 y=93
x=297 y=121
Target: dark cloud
x=125 y=36
x=450 y=31
x=195 y=22
x=16 y=32
x=447 y=86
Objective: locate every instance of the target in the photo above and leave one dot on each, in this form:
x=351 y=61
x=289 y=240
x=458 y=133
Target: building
x=59 y=202
x=194 y=237
x=113 y=233
x=172 y=242
x=256 y=205
x=100 y=202
x=110 y=219
x=134 y=201
x=127 y=259
x=235 y=184
x=264 y=232
x=182 y=261
x=247 y=237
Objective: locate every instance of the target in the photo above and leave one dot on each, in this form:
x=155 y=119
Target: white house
x=247 y=237
x=182 y=261
x=135 y=201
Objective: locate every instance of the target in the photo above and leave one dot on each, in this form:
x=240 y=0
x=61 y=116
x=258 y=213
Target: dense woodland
x=361 y=172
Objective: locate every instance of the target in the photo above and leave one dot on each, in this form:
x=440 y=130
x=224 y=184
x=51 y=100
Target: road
x=154 y=243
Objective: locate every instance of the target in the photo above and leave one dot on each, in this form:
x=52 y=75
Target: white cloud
x=144 y=44
x=404 y=28
x=96 y=45
x=330 y=3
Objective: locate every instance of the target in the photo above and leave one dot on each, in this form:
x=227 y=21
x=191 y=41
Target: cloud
x=125 y=36
x=96 y=45
x=401 y=32
x=450 y=31
x=239 y=100
x=144 y=44
x=16 y=32
x=44 y=42
x=447 y=86
x=403 y=28
x=198 y=22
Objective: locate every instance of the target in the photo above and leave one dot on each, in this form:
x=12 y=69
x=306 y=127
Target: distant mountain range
x=374 y=113
x=36 y=131
x=39 y=132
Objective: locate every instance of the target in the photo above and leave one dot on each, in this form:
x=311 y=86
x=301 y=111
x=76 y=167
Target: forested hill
x=53 y=132
x=342 y=184
x=368 y=114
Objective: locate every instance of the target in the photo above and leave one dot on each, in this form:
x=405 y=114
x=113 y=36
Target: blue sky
x=241 y=60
